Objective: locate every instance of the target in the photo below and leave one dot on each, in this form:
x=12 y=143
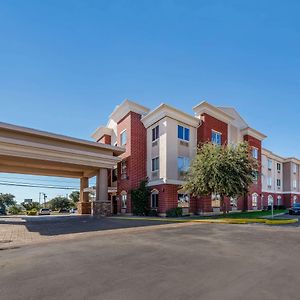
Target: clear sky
x=64 y=65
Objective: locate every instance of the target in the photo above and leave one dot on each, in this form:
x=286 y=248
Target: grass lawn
x=245 y=215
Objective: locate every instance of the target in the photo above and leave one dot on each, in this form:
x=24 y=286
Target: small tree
x=139 y=199
x=74 y=196
x=222 y=170
x=31 y=205
x=59 y=202
x=6 y=200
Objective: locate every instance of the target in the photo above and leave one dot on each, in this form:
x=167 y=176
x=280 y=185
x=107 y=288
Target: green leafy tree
x=31 y=205
x=222 y=170
x=74 y=196
x=6 y=200
x=15 y=209
x=139 y=198
x=59 y=202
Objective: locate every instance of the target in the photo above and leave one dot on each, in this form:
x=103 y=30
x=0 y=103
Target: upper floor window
x=123 y=138
x=294 y=184
x=183 y=164
x=278 y=167
x=269 y=164
x=294 y=168
x=255 y=153
x=269 y=181
x=155 y=164
x=216 y=137
x=155 y=133
x=123 y=169
x=278 y=183
x=255 y=175
x=183 y=133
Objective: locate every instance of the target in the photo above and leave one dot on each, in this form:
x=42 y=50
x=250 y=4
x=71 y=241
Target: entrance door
x=115 y=205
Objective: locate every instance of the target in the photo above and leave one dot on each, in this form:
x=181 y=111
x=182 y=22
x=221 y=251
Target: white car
x=44 y=212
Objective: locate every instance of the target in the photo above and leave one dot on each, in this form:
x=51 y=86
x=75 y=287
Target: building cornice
x=100 y=132
x=272 y=155
x=205 y=107
x=254 y=133
x=165 y=110
x=126 y=107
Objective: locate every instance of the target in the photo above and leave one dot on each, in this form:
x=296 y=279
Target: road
x=181 y=261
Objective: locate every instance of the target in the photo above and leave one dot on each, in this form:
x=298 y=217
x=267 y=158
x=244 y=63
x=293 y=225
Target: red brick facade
x=135 y=156
x=208 y=124
x=105 y=139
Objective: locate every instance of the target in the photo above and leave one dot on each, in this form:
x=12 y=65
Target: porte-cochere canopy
x=29 y=151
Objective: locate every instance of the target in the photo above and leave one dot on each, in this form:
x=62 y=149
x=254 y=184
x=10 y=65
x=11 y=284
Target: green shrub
x=174 y=212
x=139 y=198
x=32 y=212
x=152 y=213
x=14 y=210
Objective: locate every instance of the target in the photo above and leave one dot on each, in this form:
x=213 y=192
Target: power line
x=34 y=179
x=6 y=183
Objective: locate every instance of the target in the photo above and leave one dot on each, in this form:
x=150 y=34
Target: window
x=278 y=183
x=270 y=200
x=294 y=184
x=269 y=181
x=255 y=175
x=114 y=175
x=295 y=199
x=255 y=153
x=183 y=200
x=123 y=138
x=154 y=199
x=123 y=167
x=155 y=164
x=254 y=200
x=155 y=133
x=216 y=137
x=124 y=200
x=269 y=164
x=279 y=200
x=183 y=133
x=278 y=167
x=294 y=168
x=183 y=164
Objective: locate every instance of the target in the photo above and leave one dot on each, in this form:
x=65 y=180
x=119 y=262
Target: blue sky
x=64 y=65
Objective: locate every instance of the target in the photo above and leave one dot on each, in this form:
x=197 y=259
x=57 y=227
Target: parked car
x=73 y=210
x=3 y=211
x=44 y=212
x=295 y=209
x=63 y=211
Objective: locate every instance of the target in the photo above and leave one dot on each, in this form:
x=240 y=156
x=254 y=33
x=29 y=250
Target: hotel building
x=161 y=143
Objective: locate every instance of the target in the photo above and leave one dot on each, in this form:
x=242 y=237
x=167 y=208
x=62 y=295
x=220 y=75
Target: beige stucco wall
x=169 y=148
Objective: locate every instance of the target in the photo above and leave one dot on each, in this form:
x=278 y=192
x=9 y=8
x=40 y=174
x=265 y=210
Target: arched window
x=183 y=199
x=270 y=200
x=279 y=200
x=254 y=199
x=123 y=199
x=154 y=198
x=295 y=199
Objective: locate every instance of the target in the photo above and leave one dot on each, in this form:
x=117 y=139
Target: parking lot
x=170 y=261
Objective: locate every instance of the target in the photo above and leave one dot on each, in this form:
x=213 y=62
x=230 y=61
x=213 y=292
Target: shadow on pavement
x=58 y=225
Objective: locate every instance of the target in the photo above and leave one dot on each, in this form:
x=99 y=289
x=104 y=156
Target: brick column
x=84 y=206
x=102 y=206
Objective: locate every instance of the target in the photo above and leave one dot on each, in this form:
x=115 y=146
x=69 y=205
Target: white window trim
x=125 y=130
x=184 y=127
x=215 y=131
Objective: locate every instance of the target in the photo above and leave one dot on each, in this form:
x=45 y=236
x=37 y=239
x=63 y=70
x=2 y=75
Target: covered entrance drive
x=30 y=151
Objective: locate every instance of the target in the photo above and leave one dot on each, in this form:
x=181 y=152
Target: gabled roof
x=125 y=107
x=205 y=107
x=165 y=110
x=238 y=120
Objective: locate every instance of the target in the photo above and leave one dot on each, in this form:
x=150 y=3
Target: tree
x=74 y=196
x=139 y=198
x=31 y=205
x=226 y=171
x=59 y=202
x=6 y=200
